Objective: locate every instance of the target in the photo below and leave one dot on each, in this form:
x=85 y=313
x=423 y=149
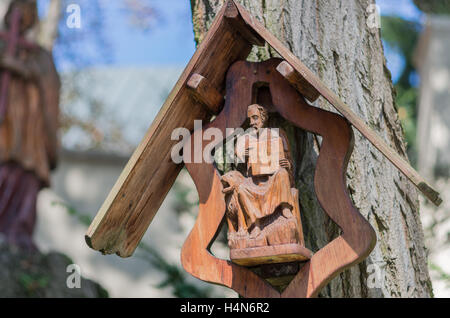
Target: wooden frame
x=357 y=239
x=141 y=188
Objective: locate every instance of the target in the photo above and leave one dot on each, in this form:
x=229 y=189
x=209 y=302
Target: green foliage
x=441 y=273
x=434 y=6
x=33 y=282
x=175 y=277
x=402 y=36
x=84 y=219
x=182 y=203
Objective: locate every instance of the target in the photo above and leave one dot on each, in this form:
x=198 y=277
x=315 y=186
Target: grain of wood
x=205 y=93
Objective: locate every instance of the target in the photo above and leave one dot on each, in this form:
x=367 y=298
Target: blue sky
x=407 y=10
x=403 y=8
x=170 y=41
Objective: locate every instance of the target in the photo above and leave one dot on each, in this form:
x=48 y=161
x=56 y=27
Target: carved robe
x=258 y=196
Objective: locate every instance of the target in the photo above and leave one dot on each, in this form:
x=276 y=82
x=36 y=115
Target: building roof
x=119 y=102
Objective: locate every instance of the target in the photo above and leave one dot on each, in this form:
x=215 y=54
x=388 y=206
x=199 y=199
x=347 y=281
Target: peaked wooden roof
x=150 y=173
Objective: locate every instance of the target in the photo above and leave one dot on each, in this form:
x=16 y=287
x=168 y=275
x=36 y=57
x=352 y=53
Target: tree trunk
x=335 y=40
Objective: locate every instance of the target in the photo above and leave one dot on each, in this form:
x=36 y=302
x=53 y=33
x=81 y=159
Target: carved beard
x=255 y=130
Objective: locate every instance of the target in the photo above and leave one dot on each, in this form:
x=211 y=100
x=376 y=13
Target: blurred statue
x=29 y=99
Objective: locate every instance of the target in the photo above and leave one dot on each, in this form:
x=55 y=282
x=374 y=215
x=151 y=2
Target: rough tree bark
x=334 y=40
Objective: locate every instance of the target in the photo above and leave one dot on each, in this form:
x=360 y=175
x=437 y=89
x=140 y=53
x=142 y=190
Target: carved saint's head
x=258 y=116
x=28 y=10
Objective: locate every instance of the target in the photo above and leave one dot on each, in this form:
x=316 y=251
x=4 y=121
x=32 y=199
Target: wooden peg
x=233 y=17
x=298 y=80
x=205 y=93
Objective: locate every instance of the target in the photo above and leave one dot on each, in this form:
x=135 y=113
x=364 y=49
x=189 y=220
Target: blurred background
x=118 y=69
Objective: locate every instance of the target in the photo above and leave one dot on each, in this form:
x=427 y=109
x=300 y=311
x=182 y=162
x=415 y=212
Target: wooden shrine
x=259 y=204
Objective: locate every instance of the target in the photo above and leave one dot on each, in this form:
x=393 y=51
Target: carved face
x=257 y=120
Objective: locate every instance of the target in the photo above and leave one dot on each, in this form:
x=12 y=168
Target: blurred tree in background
x=436 y=227
x=402 y=35
x=434 y=6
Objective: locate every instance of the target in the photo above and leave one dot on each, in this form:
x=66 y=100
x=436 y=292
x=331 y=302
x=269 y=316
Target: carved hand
x=228 y=190
x=225 y=183
x=284 y=163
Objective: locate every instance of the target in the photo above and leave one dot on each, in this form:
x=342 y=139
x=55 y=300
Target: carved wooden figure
x=257 y=200
x=28 y=129
x=264 y=224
